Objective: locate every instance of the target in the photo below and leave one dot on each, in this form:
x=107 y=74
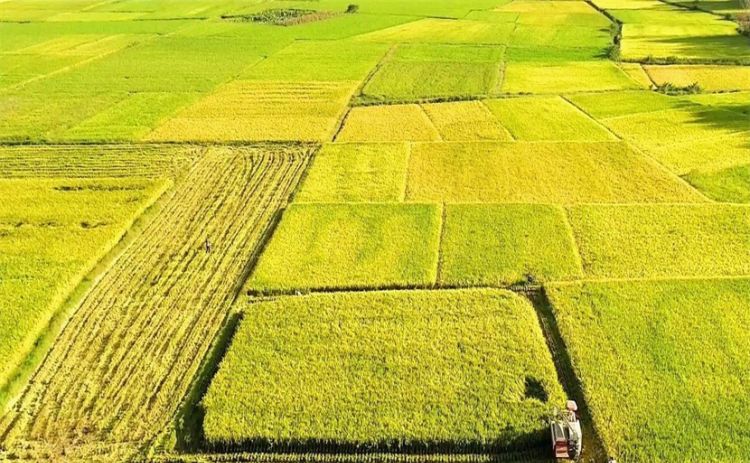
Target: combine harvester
x=567 y=438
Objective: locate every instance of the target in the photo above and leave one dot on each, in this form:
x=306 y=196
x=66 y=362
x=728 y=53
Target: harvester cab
x=565 y=427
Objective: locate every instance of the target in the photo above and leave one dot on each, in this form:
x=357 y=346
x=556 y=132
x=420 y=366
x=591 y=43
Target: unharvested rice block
x=632 y=241
x=546 y=118
x=561 y=173
x=730 y=185
x=352 y=172
x=711 y=78
x=444 y=31
x=615 y=104
x=636 y=73
x=467 y=368
x=261 y=111
x=569 y=77
x=466 y=121
x=504 y=244
x=712 y=153
x=659 y=359
x=388 y=123
x=319 y=246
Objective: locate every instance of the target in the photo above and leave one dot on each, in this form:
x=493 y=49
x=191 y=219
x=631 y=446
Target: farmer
x=208 y=246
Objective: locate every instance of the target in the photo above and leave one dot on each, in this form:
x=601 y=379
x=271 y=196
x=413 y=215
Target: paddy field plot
x=460 y=369
x=137 y=338
x=731 y=184
x=52 y=233
x=710 y=154
x=319 y=246
x=525 y=116
x=261 y=111
x=444 y=31
x=466 y=121
x=659 y=359
x=491 y=244
x=567 y=77
x=387 y=123
x=710 y=78
x=357 y=172
x=634 y=241
x=417 y=71
x=541 y=172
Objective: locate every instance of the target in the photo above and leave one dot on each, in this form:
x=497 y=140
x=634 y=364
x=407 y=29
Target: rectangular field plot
x=712 y=153
x=568 y=77
x=463 y=369
x=351 y=172
x=444 y=31
x=659 y=360
x=261 y=111
x=388 y=123
x=465 y=121
x=560 y=173
x=629 y=103
x=421 y=71
x=546 y=118
x=710 y=78
x=319 y=246
x=503 y=244
x=627 y=241
x=731 y=184
x=52 y=233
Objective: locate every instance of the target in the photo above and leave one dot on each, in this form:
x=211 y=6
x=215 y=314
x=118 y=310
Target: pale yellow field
x=388 y=123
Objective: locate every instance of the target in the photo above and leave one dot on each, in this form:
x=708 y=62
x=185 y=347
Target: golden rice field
x=373 y=231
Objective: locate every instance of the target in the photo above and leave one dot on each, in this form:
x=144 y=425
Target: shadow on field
x=734 y=48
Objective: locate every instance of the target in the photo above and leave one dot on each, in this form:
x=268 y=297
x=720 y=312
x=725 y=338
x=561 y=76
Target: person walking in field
x=208 y=246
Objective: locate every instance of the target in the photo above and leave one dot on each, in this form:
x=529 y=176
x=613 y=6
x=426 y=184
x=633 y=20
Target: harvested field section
x=324 y=246
x=462 y=370
x=128 y=355
x=351 y=172
x=261 y=111
x=662 y=240
x=659 y=359
x=562 y=173
x=492 y=244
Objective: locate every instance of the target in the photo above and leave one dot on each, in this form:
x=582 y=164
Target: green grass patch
x=660 y=361
x=458 y=370
x=351 y=172
x=490 y=244
x=561 y=173
x=636 y=241
x=546 y=118
x=319 y=246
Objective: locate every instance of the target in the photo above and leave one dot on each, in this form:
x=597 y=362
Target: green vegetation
x=662 y=241
x=504 y=244
x=660 y=361
x=731 y=184
x=357 y=172
x=51 y=235
x=421 y=369
x=562 y=173
x=351 y=246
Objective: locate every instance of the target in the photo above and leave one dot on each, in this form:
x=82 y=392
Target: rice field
x=387 y=231
x=389 y=370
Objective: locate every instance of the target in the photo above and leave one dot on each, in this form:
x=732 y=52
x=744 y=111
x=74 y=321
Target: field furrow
x=128 y=355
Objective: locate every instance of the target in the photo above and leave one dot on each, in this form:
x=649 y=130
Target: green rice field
x=374 y=231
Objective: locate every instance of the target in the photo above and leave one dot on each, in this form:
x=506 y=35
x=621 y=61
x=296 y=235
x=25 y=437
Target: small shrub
x=352 y=8
x=668 y=88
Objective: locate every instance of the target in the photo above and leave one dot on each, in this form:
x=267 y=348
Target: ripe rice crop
x=388 y=123
x=352 y=172
x=712 y=153
x=420 y=369
x=261 y=111
x=710 y=78
x=128 y=355
x=731 y=184
x=568 y=77
x=52 y=233
x=444 y=31
x=321 y=246
x=524 y=117
x=627 y=241
x=660 y=361
x=562 y=173
x=465 y=121
x=489 y=244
